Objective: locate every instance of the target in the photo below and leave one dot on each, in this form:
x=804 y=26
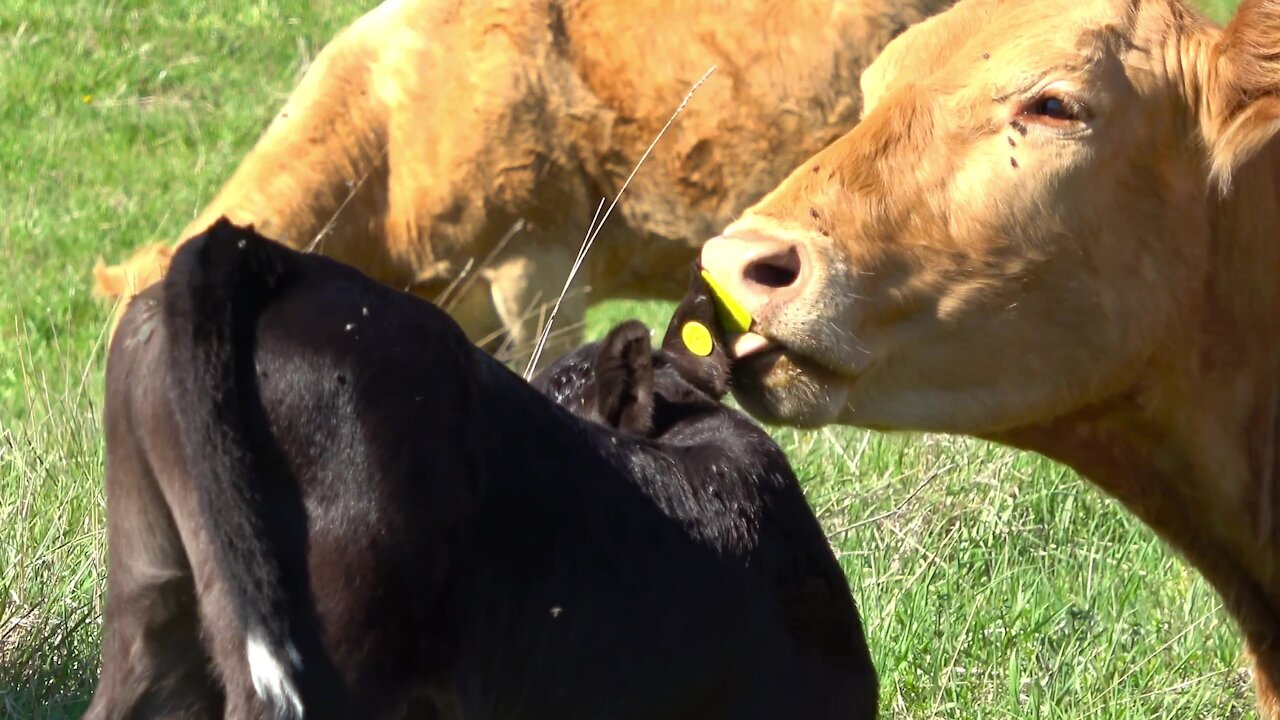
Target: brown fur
x=428 y=127
x=144 y=267
x=1109 y=298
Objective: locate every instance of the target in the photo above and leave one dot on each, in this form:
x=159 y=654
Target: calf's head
x=622 y=382
x=1025 y=217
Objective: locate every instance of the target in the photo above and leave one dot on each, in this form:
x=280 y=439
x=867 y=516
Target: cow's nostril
x=778 y=270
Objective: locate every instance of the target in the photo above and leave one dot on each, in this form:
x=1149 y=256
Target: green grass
x=993 y=584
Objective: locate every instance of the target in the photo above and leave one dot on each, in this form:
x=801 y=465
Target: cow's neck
x=1204 y=479
x=1193 y=448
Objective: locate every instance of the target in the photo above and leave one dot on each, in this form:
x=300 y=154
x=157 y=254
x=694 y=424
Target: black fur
x=624 y=379
x=212 y=386
x=438 y=538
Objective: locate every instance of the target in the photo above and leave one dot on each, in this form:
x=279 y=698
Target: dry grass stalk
x=594 y=229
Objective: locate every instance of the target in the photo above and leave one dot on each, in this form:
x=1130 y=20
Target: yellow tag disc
x=733 y=316
x=697 y=338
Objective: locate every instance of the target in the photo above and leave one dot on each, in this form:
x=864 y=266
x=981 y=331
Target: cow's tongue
x=748 y=343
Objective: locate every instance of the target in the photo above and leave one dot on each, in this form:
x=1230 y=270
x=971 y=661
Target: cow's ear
x=624 y=379
x=1242 y=88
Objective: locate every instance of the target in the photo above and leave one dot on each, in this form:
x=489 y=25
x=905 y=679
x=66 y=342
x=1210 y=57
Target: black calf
x=372 y=518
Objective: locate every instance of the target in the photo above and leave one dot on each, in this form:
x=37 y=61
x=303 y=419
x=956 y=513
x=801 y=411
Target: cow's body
x=430 y=534
x=1057 y=226
x=427 y=128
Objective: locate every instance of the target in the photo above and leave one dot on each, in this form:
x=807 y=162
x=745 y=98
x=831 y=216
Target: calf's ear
x=1242 y=88
x=624 y=378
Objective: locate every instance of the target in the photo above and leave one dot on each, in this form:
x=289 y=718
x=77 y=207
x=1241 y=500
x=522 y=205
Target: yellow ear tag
x=733 y=316
x=697 y=338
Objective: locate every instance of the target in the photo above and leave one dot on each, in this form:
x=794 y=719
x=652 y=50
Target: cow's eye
x=1054 y=109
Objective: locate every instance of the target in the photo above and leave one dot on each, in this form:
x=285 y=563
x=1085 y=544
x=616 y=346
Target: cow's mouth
x=779 y=384
x=747 y=344
x=774 y=380
x=754 y=348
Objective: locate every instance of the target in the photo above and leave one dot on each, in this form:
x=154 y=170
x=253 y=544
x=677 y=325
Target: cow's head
x=1020 y=222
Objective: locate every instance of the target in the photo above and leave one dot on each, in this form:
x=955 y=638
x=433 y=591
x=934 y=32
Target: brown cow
x=1056 y=226
x=427 y=128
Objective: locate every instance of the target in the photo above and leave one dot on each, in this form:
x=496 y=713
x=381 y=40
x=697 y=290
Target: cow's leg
x=153 y=662
x=524 y=287
x=503 y=306
x=467 y=300
x=1266 y=680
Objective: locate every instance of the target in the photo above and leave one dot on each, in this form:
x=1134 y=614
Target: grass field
x=993 y=584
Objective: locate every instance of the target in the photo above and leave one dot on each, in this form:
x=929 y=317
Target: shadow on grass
x=48 y=667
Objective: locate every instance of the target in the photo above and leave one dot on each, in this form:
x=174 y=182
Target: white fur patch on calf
x=271 y=679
